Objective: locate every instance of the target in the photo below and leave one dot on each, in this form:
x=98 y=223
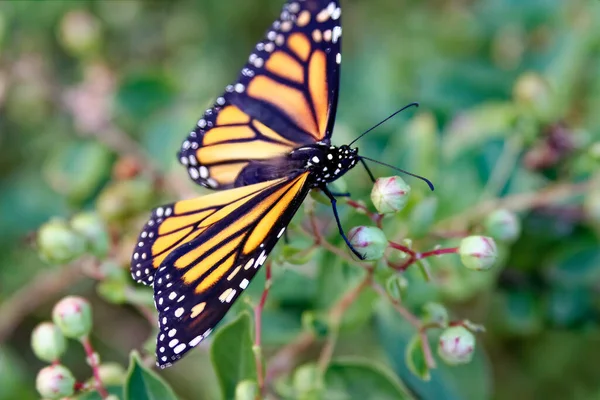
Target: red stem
x=93 y=360
x=437 y=252
x=375 y=217
x=415 y=256
x=258 y=329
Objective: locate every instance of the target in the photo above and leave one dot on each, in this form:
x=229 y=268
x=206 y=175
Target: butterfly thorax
x=325 y=162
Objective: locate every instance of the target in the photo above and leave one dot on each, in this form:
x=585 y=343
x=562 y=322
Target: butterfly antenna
x=390 y=117
x=427 y=181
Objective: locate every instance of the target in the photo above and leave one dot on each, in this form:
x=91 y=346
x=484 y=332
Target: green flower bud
x=396 y=286
x=124 y=199
x=80 y=32
x=591 y=205
x=73 y=315
x=112 y=374
x=48 y=342
x=246 y=390
x=369 y=241
x=307 y=380
x=55 y=382
x=533 y=92
x=478 y=252
x=90 y=226
x=456 y=345
x=435 y=313
x=503 y=225
x=390 y=195
x=59 y=244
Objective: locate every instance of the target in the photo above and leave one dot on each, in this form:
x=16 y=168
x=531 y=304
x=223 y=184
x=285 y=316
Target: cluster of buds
x=71 y=318
x=61 y=241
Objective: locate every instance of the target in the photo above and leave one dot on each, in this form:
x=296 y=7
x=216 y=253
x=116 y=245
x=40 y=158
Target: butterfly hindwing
x=285 y=97
x=210 y=249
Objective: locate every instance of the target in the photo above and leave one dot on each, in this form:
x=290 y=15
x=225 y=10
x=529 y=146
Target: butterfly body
x=264 y=144
x=324 y=162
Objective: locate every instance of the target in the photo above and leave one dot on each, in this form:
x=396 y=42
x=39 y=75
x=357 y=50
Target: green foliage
x=232 y=355
x=349 y=379
x=144 y=384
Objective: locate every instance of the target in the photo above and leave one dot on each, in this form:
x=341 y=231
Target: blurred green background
x=509 y=93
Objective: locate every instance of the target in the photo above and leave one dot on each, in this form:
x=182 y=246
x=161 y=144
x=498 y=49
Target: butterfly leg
x=346 y=194
x=368 y=170
x=339 y=224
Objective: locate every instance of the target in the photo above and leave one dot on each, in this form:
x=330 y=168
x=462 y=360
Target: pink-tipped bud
x=55 y=382
x=456 y=345
x=369 y=241
x=503 y=225
x=73 y=315
x=478 y=252
x=390 y=195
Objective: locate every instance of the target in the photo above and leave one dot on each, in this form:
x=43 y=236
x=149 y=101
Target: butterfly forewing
x=285 y=97
x=210 y=249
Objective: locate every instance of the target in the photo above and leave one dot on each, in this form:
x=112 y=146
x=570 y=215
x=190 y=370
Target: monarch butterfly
x=264 y=144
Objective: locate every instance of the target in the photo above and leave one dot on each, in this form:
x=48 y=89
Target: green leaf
x=415 y=359
x=232 y=356
x=423 y=216
x=144 y=384
x=359 y=379
x=94 y=395
x=141 y=95
x=77 y=169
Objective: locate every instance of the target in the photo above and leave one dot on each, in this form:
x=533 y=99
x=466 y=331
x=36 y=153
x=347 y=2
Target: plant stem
x=375 y=217
x=93 y=361
x=335 y=318
x=413 y=320
x=258 y=329
x=415 y=256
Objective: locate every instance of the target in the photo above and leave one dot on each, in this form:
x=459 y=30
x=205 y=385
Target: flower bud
x=79 y=32
x=246 y=390
x=123 y=199
x=456 y=345
x=503 y=225
x=91 y=227
x=533 y=92
x=59 y=244
x=48 y=342
x=369 y=241
x=55 y=381
x=478 y=252
x=435 y=313
x=307 y=380
x=112 y=374
x=390 y=195
x=73 y=315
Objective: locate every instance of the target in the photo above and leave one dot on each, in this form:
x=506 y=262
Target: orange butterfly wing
x=200 y=254
x=285 y=97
